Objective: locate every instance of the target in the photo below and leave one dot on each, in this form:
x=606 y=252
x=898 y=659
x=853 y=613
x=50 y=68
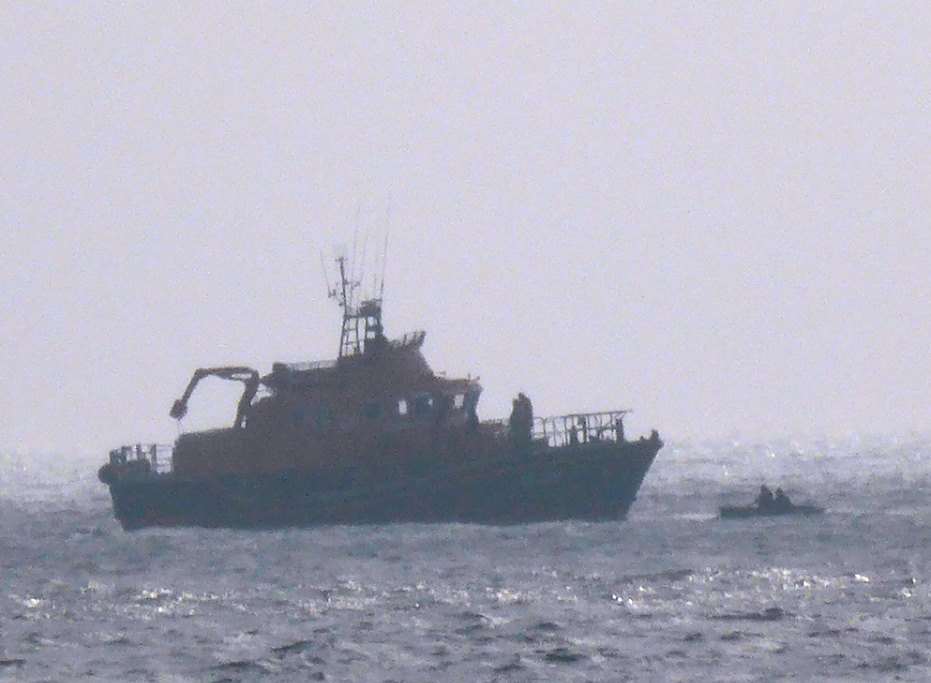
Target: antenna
x=365 y=244
x=384 y=249
x=384 y=265
x=362 y=331
x=355 y=238
x=343 y=293
x=361 y=324
x=326 y=278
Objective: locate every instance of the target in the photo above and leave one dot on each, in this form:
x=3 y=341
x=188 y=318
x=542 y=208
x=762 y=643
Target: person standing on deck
x=520 y=424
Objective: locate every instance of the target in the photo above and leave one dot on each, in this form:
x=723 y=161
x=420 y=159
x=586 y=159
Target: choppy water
x=670 y=594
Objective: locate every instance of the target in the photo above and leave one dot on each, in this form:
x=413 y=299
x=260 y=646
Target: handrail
x=578 y=428
x=158 y=458
x=308 y=365
x=409 y=339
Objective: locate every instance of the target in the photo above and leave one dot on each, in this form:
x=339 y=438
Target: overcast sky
x=716 y=214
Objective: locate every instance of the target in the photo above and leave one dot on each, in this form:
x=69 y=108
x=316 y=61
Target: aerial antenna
x=384 y=265
x=365 y=248
x=355 y=239
x=384 y=249
x=326 y=278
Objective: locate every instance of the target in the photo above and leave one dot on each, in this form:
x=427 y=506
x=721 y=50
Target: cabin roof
x=396 y=365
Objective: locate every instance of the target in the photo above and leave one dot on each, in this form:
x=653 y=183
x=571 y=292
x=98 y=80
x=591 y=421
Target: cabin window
x=443 y=405
x=371 y=409
x=459 y=401
x=423 y=405
x=402 y=408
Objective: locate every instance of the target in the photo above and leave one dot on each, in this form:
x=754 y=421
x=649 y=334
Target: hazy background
x=717 y=215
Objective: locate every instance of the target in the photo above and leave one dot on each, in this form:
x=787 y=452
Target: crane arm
x=247 y=376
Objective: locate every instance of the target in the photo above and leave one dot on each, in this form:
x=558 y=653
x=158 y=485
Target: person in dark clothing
x=765 y=500
x=514 y=421
x=526 y=409
x=619 y=429
x=521 y=422
x=781 y=501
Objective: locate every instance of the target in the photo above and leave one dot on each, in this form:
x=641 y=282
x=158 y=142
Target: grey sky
x=717 y=215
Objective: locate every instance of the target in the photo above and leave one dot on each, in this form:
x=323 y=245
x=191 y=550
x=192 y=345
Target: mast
x=361 y=329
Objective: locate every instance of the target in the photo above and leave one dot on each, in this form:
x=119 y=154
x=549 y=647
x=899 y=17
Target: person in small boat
x=781 y=501
x=765 y=500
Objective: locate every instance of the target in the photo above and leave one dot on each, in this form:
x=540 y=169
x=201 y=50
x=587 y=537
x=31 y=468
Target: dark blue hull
x=594 y=481
x=743 y=512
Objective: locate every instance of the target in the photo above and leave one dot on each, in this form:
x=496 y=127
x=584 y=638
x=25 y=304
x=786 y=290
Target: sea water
x=672 y=593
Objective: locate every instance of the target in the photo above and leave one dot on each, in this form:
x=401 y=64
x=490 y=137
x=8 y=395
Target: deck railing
x=307 y=366
x=578 y=428
x=498 y=428
x=409 y=339
x=561 y=430
x=157 y=455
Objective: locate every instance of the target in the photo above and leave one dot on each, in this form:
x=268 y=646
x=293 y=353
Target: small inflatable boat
x=744 y=511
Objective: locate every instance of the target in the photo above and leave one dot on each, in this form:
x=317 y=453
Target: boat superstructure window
x=402 y=407
x=423 y=405
x=459 y=401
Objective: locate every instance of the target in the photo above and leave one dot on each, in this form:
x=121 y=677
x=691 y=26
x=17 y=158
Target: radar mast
x=362 y=330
